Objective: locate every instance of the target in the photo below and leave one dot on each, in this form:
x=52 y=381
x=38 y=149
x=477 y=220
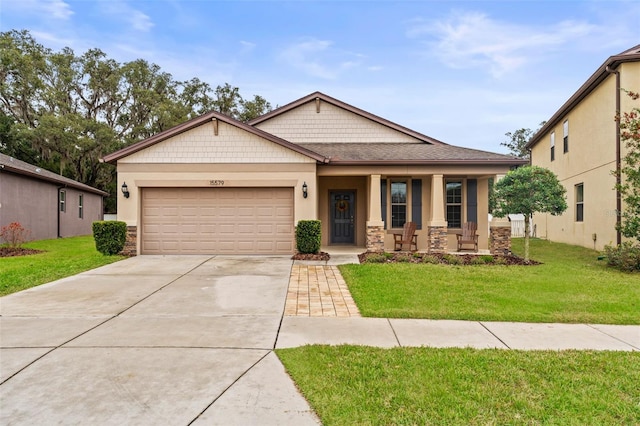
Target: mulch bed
x=12 y=252
x=443 y=258
x=311 y=256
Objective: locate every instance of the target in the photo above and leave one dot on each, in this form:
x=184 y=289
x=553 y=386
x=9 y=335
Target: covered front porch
x=360 y=210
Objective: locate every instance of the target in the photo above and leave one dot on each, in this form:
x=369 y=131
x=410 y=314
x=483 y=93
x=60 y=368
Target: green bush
x=308 y=236
x=376 y=258
x=110 y=236
x=487 y=258
x=478 y=260
x=500 y=260
x=453 y=259
x=428 y=258
x=403 y=258
x=625 y=257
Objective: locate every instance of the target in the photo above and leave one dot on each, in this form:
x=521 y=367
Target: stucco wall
x=590 y=161
x=34 y=204
x=71 y=224
x=332 y=124
x=30 y=202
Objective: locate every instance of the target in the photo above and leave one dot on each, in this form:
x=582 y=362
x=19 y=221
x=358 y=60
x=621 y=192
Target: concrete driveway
x=151 y=340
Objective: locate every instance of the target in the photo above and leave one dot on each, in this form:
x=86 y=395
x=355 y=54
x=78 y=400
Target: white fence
x=517 y=225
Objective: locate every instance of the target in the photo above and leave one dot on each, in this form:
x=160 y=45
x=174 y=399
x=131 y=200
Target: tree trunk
x=526 y=238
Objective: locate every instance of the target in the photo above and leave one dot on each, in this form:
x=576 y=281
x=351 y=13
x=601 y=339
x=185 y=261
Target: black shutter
x=472 y=200
x=383 y=200
x=416 y=202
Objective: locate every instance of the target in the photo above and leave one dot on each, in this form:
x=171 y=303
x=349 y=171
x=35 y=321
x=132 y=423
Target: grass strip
x=359 y=385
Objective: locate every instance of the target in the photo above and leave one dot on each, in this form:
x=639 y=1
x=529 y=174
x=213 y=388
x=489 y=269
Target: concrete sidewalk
x=387 y=333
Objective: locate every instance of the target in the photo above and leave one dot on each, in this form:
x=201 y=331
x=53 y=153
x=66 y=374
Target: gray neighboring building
x=47 y=204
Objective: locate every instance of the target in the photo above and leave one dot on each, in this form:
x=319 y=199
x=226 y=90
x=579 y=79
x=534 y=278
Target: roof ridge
x=341 y=104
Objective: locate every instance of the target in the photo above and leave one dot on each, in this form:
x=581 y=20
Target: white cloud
x=318 y=59
x=140 y=21
x=123 y=11
x=57 y=9
x=473 y=39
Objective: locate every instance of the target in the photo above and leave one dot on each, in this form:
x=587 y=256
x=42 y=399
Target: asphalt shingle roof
x=20 y=167
x=399 y=152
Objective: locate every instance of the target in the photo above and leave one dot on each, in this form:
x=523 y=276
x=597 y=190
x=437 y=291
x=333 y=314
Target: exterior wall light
x=125 y=190
x=304 y=190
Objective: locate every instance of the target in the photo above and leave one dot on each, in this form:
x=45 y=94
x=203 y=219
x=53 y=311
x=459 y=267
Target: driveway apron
x=151 y=340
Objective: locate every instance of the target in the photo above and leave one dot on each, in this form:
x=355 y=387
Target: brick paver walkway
x=318 y=291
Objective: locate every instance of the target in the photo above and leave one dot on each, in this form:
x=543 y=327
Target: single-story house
x=219 y=186
x=45 y=203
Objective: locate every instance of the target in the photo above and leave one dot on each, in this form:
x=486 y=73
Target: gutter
x=610 y=70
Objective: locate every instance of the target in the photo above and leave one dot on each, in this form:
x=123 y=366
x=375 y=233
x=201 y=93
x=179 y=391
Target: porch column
x=375 y=225
x=437 y=227
x=500 y=232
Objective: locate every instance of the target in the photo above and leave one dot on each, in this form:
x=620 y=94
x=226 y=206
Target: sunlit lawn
x=61 y=258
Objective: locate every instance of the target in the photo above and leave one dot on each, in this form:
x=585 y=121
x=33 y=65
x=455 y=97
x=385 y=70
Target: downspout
x=618 y=159
x=58 y=209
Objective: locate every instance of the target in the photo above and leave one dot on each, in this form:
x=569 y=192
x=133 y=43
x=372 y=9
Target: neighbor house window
x=454 y=204
x=398 y=204
x=553 y=146
x=63 y=200
x=565 y=138
x=579 y=202
x=80 y=205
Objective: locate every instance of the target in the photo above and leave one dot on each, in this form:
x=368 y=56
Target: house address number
x=216 y=182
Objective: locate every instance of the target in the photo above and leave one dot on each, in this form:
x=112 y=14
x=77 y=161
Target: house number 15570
x=216 y=182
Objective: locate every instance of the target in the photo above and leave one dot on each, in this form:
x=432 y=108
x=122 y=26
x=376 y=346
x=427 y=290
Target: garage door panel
x=217 y=220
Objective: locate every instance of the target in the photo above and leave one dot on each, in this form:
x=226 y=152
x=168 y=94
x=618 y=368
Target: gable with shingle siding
x=331 y=125
x=201 y=145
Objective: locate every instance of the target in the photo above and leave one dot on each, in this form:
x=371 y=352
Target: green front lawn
x=422 y=386
x=571 y=286
x=62 y=257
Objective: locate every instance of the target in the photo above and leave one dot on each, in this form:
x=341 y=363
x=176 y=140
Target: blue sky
x=462 y=72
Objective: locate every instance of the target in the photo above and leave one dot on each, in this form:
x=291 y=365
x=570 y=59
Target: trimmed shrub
x=625 y=257
x=403 y=258
x=110 y=236
x=453 y=259
x=428 y=258
x=376 y=258
x=14 y=235
x=487 y=258
x=500 y=260
x=478 y=260
x=308 y=236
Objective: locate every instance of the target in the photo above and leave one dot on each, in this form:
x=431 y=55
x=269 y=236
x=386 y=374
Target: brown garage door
x=217 y=221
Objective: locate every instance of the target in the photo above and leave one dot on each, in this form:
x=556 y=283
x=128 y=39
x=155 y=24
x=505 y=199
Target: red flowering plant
x=14 y=235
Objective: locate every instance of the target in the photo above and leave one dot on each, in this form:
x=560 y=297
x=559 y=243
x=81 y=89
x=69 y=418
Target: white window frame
x=553 y=145
x=565 y=137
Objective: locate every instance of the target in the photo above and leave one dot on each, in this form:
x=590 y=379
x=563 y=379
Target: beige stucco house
x=581 y=144
x=217 y=185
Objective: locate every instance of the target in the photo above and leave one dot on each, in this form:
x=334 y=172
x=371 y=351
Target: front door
x=343 y=204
